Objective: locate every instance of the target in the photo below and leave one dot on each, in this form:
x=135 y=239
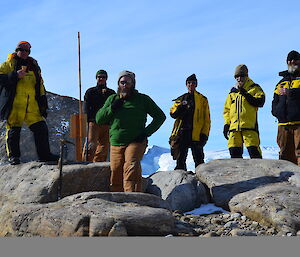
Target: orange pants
x=288 y=139
x=98 y=139
x=125 y=164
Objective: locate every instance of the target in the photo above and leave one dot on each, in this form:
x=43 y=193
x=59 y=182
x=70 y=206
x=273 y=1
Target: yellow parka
x=240 y=109
x=28 y=101
x=201 y=116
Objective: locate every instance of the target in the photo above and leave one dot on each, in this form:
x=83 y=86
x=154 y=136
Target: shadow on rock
x=224 y=193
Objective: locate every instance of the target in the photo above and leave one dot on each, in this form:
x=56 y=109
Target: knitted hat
x=128 y=74
x=293 y=55
x=191 y=78
x=23 y=45
x=101 y=72
x=241 y=70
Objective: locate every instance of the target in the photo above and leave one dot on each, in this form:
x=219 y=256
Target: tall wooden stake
x=79 y=143
x=78 y=121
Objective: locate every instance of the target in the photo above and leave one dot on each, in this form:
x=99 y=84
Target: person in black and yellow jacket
x=286 y=108
x=240 y=115
x=192 y=125
x=23 y=99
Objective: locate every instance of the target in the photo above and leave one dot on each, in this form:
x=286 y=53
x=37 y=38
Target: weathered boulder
x=58 y=120
x=265 y=190
x=35 y=182
x=89 y=214
x=29 y=206
x=181 y=189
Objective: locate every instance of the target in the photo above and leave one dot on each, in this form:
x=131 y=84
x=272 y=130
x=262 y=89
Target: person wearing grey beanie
x=127 y=112
x=286 y=108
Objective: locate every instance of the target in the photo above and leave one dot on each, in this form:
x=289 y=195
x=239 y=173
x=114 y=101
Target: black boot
x=13 y=145
x=236 y=152
x=41 y=140
x=254 y=152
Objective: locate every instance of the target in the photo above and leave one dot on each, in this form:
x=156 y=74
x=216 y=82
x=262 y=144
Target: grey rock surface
x=88 y=214
x=29 y=206
x=263 y=190
x=36 y=182
x=181 y=189
x=58 y=120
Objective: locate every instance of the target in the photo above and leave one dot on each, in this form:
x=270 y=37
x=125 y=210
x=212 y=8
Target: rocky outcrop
x=181 y=189
x=29 y=206
x=267 y=191
x=89 y=214
x=58 y=120
x=35 y=182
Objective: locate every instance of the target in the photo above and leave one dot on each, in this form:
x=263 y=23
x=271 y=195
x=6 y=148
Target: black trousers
x=197 y=152
x=41 y=140
x=237 y=152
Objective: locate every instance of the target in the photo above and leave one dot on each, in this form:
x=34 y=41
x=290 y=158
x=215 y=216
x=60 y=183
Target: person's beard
x=124 y=92
x=293 y=69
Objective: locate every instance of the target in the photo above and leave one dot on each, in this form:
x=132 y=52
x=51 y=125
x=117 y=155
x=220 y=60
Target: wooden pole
x=79 y=79
x=78 y=121
x=79 y=139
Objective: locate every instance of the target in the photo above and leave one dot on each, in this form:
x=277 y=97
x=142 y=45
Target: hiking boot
x=14 y=160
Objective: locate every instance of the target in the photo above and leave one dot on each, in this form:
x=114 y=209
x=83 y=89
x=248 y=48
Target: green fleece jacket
x=129 y=122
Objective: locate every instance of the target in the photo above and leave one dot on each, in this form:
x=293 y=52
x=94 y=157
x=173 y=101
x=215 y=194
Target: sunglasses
x=192 y=82
x=241 y=75
x=101 y=77
x=23 y=50
x=125 y=82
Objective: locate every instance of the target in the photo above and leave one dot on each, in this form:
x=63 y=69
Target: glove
x=140 y=138
x=203 y=140
x=226 y=130
x=243 y=91
x=117 y=104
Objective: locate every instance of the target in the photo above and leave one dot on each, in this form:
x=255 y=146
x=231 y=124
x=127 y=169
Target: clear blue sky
x=163 y=42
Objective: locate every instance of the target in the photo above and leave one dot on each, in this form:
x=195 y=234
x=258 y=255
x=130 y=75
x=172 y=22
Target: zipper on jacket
x=27 y=102
x=238 y=111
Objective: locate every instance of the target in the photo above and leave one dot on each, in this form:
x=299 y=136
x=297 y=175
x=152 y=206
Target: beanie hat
x=101 y=72
x=23 y=45
x=241 y=70
x=293 y=55
x=191 y=78
x=128 y=74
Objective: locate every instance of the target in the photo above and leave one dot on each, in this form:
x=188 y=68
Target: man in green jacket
x=126 y=113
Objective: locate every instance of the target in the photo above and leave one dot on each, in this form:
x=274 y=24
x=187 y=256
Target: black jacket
x=8 y=85
x=286 y=108
x=185 y=112
x=94 y=99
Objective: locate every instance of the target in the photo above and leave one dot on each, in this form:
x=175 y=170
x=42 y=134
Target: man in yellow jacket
x=192 y=125
x=23 y=99
x=240 y=115
x=286 y=108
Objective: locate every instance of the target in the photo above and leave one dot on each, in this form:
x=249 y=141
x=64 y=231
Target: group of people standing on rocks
x=192 y=124
x=117 y=120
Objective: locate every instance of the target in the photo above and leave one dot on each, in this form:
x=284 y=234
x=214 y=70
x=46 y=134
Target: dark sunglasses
x=192 y=82
x=125 y=82
x=101 y=77
x=241 y=75
x=23 y=50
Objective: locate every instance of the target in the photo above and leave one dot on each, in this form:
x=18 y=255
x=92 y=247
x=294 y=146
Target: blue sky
x=163 y=42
